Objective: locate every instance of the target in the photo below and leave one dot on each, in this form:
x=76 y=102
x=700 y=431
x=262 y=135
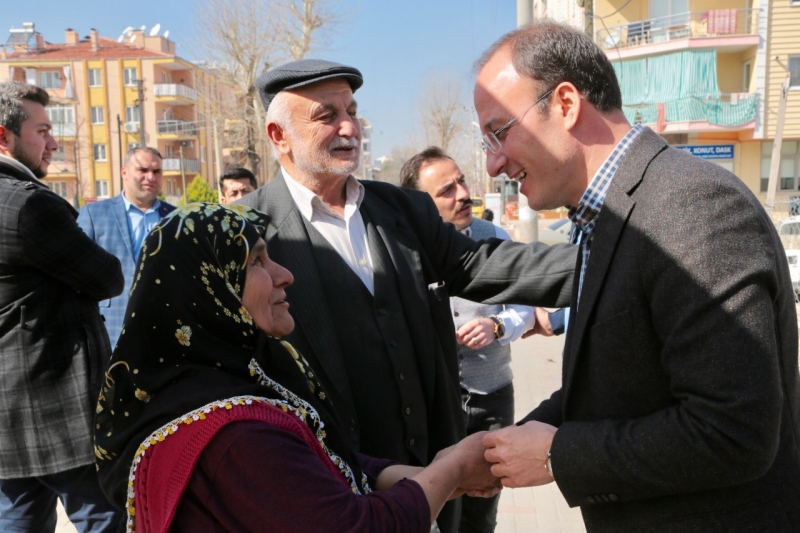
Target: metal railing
x=176 y=127
x=175 y=89
x=189 y=165
x=711 y=23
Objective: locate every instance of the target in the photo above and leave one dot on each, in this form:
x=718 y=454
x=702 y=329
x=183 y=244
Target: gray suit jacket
x=679 y=409
x=52 y=341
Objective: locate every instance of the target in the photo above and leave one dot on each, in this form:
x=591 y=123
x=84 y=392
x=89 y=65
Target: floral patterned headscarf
x=187 y=341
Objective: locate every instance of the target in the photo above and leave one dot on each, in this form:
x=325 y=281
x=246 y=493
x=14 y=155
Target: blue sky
x=394 y=43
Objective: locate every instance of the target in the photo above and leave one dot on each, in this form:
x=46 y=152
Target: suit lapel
x=122 y=223
x=288 y=244
x=611 y=223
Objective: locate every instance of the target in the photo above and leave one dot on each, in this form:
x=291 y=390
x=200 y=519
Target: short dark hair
x=409 y=174
x=237 y=174
x=140 y=148
x=12 y=94
x=552 y=53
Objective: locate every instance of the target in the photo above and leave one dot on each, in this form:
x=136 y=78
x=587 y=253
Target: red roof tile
x=107 y=48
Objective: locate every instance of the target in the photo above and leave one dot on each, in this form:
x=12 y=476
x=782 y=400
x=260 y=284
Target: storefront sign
x=709 y=151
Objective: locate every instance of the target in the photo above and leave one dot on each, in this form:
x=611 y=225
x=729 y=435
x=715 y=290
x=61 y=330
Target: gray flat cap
x=304 y=72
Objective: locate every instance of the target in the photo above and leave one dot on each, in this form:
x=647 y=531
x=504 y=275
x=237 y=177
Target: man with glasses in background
x=679 y=409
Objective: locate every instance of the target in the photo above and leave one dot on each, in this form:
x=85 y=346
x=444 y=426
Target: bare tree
x=243 y=39
x=442 y=109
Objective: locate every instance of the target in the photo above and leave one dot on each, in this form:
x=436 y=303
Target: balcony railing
x=175 y=89
x=711 y=23
x=63 y=129
x=189 y=165
x=176 y=127
x=728 y=110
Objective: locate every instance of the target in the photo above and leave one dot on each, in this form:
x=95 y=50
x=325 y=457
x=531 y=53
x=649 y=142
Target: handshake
x=515 y=456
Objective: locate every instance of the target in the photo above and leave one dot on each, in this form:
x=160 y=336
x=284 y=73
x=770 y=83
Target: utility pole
x=217 y=154
x=775 y=163
x=121 y=154
x=140 y=103
x=183 y=173
x=528 y=225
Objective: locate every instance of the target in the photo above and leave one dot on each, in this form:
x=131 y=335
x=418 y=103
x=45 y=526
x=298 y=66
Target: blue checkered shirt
x=584 y=217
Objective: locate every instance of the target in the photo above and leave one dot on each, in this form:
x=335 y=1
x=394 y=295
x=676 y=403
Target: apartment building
x=111 y=94
x=708 y=76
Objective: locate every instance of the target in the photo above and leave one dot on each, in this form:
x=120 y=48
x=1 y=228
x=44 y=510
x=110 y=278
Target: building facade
x=109 y=95
x=708 y=76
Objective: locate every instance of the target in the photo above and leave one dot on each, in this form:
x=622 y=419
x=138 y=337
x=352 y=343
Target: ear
x=7 y=140
x=279 y=139
x=569 y=102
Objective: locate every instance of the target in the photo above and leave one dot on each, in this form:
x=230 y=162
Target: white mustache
x=344 y=142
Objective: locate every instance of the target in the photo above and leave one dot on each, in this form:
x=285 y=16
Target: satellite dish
x=133 y=38
x=127 y=31
x=154 y=30
x=121 y=37
x=166 y=34
x=142 y=28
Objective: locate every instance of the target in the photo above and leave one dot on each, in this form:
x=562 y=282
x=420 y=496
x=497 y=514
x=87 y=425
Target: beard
x=317 y=160
x=30 y=162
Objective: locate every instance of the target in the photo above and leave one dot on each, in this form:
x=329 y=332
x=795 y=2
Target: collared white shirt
x=346 y=234
x=19 y=166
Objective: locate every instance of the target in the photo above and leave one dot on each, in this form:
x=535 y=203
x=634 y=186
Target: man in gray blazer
x=679 y=409
x=53 y=345
x=374 y=267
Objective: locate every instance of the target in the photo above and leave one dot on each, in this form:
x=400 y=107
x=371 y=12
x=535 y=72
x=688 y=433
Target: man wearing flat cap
x=374 y=268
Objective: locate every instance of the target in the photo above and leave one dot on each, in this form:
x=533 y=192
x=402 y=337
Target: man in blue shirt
x=120 y=224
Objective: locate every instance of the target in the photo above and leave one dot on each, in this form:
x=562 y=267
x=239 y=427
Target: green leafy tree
x=199 y=191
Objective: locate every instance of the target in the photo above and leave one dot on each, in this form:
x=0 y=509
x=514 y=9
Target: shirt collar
x=129 y=205
x=307 y=201
x=22 y=168
x=585 y=215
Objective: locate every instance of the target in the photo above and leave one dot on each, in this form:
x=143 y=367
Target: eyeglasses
x=491 y=140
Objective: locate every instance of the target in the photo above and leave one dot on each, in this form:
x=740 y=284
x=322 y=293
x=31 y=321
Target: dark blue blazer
x=106 y=222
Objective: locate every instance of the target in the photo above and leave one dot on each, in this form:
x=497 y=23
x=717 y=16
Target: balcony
x=176 y=129
x=728 y=30
x=174 y=165
x=61 y=130
x=174 y=93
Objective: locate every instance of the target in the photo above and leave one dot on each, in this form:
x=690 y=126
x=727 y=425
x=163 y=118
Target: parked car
x=477 y=207
x=793 y=256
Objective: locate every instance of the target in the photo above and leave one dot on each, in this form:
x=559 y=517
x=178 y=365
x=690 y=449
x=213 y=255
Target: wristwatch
x=499 y=326
x=549 y=466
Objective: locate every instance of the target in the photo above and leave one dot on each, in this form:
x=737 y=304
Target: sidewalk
x=537 y=373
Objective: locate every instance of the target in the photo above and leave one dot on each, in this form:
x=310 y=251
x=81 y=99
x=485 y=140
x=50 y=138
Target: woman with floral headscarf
x=203 y=424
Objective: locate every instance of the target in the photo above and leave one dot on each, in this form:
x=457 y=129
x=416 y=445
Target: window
x=789 y=170
x=99 y=151
x=101 y=188
x=794 y=69
x=166 y=78
x=132 y=113
x=58 y=187
x=97 y=114
x=61 y=114
x=171 y=189
x=50 y=80
x=94 y=78
x=169 y=151
x=131 y=146
x=129 y=76
x=747 y=70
